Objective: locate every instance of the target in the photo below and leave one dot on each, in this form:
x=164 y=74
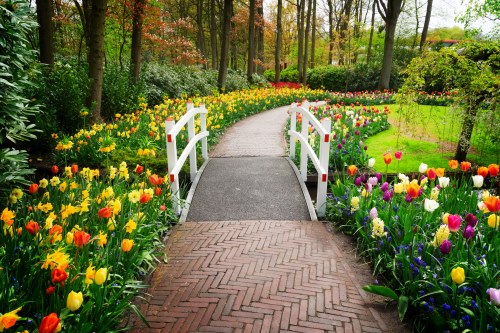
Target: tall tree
x=260 y=36
x=224 y=53
x=330 y=31
x=96 y=56
x=135 y=52
x=300 y=36
x=200 y=34
x=213 y=34
x=279 y=40
x=390 y=13
x=44 y=13
x=306 y=42
x=426 y=24
x=251 y=40
x=313 y=36
x=372 y=28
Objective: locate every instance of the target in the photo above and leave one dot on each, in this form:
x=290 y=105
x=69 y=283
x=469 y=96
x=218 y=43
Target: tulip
x=373 y=181
x=478 y=181
x=387 y=196
x=430 y=205
x=59 y=276
x=440 y=172
x=33 y=188
x=74 y=168
x=454 y=222
x=49 y=324
x=105 y=212
x=444 y=182
x=458 y=275
x=493 y=204
x=493 y=221
x=493 y=170
x=471 y=220
x=357 y=181
x=373 y=213
x=9 y=319
x=158 y=191
x=127 y=245
x=74 y=300
x=445 y=247
x=50 y=290
x=54 y=169
x=384 y=187
x=494 y=296
x=445 y=218
x=70 y=238
x=453 y=164
x=398 y=155
x=431 y=173
x=482 y=171
x=387 y=158
x=422 y=168
x=32 y=227
x=81 y=238
x=100 y=276
x=371 y=162
x=465 y=166
x=155 y=180
x=468 y=232
x=413 y=190
x=145 y=197
x=351 y=170
x=139 y=169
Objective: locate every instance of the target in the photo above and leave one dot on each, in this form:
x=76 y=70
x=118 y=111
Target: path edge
x=305 y=192
x=187 y=202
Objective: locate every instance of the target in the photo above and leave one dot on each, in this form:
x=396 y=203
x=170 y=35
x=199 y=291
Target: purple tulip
x=385 y=187
x=468 y=232
x=363 y=178
x=368 y=187
x=387 y=196
x=357 y=181
x=339 y=146
x=471 y=220
x=379 y=176
x=445 y=247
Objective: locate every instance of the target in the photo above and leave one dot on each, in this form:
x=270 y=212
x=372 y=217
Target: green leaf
x=402 y=306
x=382 y=291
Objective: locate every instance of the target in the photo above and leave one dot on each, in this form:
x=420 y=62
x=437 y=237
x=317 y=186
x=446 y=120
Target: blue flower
x=446 y=307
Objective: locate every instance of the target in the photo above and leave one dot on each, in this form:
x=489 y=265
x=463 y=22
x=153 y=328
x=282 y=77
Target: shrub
x=290 y=74
x=270 y=75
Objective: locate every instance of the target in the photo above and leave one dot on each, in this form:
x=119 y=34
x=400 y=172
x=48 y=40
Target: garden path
x=261 y=275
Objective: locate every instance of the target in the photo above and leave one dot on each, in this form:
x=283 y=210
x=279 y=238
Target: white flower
x=422 y=168
x=371 y=162
x=430 y=205
x=444 y=182
x=478 y=181
x=404 y=178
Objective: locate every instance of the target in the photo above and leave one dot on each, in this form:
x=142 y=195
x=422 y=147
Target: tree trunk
x=251 y=40
x=390 y=14
x=417 y=26
x=137 y=20
x=213 y=35
x=330 y=32
x=313 y=35
x=277 y=52
x=234 y=49
x=372 y=28
x=44 y=13
x=426 y=24
x=344 y=31
x=260 y=38
x=300 y=37
x=466 y=133
x=200 y=35
x=306 y=42
x=224 y=53
x=96 y=57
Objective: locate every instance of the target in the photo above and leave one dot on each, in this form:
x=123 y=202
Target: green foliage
x=270 y=75
x=15 y=58
x=290 y=74
x=119 y=94
x=14 y=170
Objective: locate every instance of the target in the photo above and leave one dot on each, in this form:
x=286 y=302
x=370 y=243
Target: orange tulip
x=32 y=227
x=56 y=229
x=482 y=171
x=127 y=245
x=440 y=172
x=81 y=238
x=387 y=158
x=453 y=164
x=54 y=169
x=155 y=180
x=105 y=213
x=465 y=166
x=145 y=197
x=74 y=168
x=351 y=170
x=59 y=276
x=49 y=323
x=431 y=173
x=33 y=188
x=493 y=170
x=158 y=191
x=493 y=204
x=413 y=190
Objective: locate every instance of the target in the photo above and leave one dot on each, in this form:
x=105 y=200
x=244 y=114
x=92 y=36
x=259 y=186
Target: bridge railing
x=175 y=163
x=320 y=162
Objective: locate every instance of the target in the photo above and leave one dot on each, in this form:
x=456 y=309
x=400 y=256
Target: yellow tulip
x=74 y=301
x=100 y=276
x=494 y=221
x=69 y=238
x=458 y=275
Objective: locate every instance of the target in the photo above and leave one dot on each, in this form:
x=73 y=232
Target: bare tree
x=390 y=13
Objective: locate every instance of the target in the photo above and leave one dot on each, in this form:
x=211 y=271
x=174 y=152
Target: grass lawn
x=427 y=134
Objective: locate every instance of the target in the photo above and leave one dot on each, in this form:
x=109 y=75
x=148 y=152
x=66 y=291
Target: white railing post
x=193 y=168
x=172 y=161
x=203 y=128
x=293 y=127
x=305 y=134
x=324 y=155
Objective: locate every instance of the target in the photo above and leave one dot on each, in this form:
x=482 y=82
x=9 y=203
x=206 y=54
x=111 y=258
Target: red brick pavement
x=257 y=276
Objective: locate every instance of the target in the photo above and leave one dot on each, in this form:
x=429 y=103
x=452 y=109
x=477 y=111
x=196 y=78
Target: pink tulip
x=454 y=222
x=494 y=296
x=398 y=155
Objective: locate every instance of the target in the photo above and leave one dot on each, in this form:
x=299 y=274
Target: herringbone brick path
x=257 y=276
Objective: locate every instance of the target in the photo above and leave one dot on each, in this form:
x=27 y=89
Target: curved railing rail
x=175 y=164
x=321 y=162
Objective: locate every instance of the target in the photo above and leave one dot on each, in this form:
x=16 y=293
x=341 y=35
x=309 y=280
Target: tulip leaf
x=382 y=291
x=468 y=311
x=402 y=306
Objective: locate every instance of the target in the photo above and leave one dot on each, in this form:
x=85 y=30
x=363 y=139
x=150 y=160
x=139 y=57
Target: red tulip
x=483 y=171
x=465 y=166
x=105 y=213
x=158 y=191
x=32 y=227
x=431 y=173
x=33 y=188
x=74 y=168
x=59 y=276
x=398 y=155
x=145 y=198
x=50 y=290
x=139 y=169
x=49 y=323
x=493 y=170
x=54 y=169
x=81 y=238
x=493 y=204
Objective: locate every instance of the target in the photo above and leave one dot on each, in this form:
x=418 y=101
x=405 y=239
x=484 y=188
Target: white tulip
x=422 y=168
x=478 y=181
x=371 y=162
x=444 y=182
x=430 y=205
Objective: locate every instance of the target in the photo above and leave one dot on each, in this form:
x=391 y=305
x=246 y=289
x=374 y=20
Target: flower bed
x=433 y=239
